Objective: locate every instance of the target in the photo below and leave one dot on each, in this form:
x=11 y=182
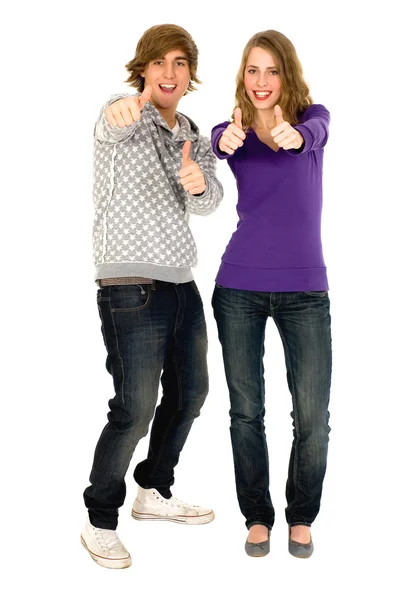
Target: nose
x=262 y=79
x=169 y=70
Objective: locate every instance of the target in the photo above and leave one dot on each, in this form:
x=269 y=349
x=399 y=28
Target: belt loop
x=153 y=285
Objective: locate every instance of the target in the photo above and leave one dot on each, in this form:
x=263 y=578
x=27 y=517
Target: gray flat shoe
x=260 y=549
x=300 y=550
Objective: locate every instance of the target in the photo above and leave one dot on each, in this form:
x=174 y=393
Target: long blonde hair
x=294 y=95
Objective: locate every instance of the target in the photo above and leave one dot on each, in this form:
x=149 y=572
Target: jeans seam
x=295 y=409
x=116 y=343
x=119 y=356
x=101 y=462
x=262 y=382
x=179 y=310
x=272 y=308
x=173 y=417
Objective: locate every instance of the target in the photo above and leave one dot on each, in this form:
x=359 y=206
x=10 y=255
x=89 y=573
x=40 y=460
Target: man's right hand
x=127 y=110
x=233 y=136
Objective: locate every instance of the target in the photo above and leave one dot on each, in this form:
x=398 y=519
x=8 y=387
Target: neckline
x=264 y=143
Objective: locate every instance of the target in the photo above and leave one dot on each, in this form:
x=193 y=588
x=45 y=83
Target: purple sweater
x=277 y=244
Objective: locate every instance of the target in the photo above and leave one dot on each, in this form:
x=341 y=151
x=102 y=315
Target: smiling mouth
x=261 y=95
x=167 y=88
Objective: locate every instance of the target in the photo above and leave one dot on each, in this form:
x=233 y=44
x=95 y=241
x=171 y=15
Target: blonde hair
x=156 y=42
x=294 y=94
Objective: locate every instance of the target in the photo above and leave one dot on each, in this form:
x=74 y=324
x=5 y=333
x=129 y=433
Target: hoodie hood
x=188 y=129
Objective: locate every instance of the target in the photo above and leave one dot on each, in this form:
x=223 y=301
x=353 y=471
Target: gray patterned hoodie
x=141 y=210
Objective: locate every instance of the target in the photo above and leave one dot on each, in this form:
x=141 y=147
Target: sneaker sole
x=109 y=563
x=199 y=520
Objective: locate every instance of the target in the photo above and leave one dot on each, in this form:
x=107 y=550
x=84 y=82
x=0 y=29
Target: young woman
x=273 y=267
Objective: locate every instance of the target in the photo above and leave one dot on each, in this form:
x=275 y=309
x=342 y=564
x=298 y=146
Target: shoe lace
x=108 y=538
x=174 y=501
x=181 y=504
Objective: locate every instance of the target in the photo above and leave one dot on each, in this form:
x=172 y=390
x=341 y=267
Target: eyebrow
x=178 y=58
x=255 y=67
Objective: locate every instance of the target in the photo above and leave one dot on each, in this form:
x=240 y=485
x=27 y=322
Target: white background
x=60 y=62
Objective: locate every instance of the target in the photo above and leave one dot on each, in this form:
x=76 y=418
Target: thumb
x=237 y=116
x=278 y=114
x=186 y=153
x=146 y=95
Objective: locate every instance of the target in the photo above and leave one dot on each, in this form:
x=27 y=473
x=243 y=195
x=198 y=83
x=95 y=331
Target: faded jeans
x=147 y=330
x=303 y=321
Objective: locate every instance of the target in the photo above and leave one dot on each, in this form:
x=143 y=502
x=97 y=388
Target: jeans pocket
x=194 y=286
x=321 y=294
x=129 y=298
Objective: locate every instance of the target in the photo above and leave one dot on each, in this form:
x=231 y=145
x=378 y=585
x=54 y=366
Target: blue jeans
x=303 y=321
x=147 y=330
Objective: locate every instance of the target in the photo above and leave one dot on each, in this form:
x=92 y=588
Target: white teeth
x=168 y=86
x=262 y=94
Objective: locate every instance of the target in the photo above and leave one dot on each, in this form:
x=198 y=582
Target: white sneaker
x=105 y=547
x=151 y=506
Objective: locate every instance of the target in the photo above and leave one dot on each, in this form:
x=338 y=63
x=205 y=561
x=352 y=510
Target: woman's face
x=261 y=79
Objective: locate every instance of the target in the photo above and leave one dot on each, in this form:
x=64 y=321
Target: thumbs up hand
x=237 y=118
x=126 y=111
x=278 y=115
x=190 y=175
x=233 y=136
x=186 y=153
x=283 y=134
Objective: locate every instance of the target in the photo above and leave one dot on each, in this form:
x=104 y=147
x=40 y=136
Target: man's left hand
x=191 y=176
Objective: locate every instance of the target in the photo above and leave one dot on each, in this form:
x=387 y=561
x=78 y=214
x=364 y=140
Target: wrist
x=200 y=193
x=300 y=141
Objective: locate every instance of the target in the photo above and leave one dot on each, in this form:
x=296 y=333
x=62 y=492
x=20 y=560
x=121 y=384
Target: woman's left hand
x=284 y=135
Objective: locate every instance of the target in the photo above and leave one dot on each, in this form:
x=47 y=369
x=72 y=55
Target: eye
x=274 y=73
x=251 y=71
x=180 y=64
x=158 y=62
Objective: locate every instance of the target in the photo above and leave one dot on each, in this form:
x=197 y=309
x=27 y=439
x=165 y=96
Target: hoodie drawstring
x=178 y=189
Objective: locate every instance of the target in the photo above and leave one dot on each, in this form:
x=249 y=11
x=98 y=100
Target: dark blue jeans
x=303 y=321
x=147 y=330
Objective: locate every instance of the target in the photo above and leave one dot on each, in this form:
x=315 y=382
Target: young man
x=151 y=168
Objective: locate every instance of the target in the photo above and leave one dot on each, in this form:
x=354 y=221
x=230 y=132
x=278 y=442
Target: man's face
x=169 y=77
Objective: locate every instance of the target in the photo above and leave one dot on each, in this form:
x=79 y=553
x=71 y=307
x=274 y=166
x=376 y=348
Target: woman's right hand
x=233 y=136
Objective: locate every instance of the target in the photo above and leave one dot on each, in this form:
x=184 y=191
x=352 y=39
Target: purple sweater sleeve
x=216 y=133
x=314 y=128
